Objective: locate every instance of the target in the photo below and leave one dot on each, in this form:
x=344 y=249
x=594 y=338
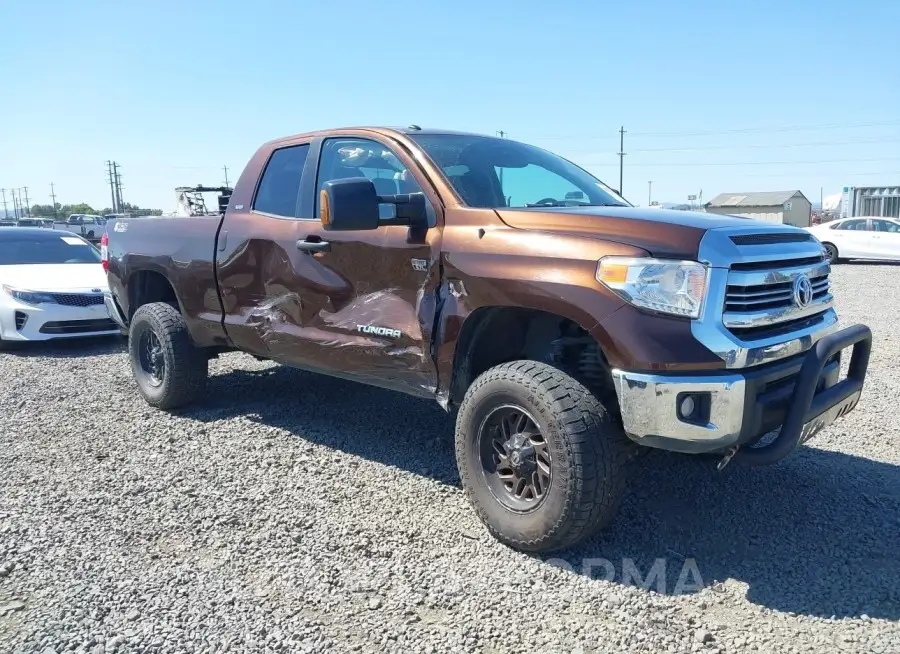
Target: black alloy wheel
x=515 y=458
x=152 y=361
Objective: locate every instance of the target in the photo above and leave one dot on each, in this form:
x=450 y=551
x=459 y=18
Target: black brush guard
x=810 y=411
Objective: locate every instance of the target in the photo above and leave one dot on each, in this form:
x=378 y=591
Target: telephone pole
x=621 y=157
x=27 y=203
x=118 y=188
x=53 y=199
x=15 y=205
x=225 y=168
x=649 y=192
x=112 y=186
x=5 y=213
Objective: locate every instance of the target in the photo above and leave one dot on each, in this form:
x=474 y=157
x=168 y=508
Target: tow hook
x=729 y=454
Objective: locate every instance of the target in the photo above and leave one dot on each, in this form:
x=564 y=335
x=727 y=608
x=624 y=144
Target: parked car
x=85 y=225
x=30 y=222
x=51 y=286
x=567 y=328
x=861 y=237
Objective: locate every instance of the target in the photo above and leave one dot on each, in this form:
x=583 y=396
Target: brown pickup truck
x=565 y=327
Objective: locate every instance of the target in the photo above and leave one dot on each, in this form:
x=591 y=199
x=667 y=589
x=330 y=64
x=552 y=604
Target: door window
x=280 y=183
x=343 y=158
x=885 y=226
x=852 y=225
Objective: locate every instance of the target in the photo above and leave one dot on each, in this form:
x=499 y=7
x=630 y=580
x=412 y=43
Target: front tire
x=831 y=253
x=540 y=458
x=170 y=372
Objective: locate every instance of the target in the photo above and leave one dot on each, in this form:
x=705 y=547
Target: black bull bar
x=812 y=409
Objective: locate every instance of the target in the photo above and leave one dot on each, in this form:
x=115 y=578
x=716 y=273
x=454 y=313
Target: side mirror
x=353 y=204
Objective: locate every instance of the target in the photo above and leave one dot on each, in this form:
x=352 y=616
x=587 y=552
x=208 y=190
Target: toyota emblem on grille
x=803 y=291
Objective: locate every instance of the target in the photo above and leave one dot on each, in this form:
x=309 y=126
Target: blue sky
x=718 y=96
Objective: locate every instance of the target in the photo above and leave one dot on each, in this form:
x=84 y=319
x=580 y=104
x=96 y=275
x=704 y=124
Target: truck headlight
x=29 y=297
x=667 y=286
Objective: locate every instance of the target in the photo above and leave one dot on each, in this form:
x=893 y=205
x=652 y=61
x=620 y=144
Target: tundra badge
x=379 y=331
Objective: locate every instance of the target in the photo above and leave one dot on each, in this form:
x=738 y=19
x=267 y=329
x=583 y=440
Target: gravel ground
x=295 y=513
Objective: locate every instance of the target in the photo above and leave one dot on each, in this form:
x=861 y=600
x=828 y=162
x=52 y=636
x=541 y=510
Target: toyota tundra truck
x=565 y=328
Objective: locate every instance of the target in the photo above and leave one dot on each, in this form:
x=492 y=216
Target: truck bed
x=183 y=247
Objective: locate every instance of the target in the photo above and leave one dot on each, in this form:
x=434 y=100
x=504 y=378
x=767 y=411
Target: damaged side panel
x=363 y=310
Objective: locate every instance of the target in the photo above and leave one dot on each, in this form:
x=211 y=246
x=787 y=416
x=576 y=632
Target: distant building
x=789 y=207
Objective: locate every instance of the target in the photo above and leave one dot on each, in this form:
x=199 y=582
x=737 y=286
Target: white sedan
x=862 y=237
x=51 y=286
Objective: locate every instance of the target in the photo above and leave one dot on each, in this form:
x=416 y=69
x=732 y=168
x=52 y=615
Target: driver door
x=366 y=300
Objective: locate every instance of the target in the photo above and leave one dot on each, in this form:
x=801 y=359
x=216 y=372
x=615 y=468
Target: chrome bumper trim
x=648 y=404
x=113 y=310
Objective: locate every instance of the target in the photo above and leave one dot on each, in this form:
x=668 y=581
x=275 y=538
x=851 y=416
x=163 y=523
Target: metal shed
x=789 y=207
x=881 y=201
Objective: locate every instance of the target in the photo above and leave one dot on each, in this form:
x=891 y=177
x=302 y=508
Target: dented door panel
x=376 y=326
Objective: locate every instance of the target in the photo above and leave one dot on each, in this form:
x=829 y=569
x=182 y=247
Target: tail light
x=104 y=251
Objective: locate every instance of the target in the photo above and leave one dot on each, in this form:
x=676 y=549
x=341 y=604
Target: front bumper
x=44 y=322
x=802 y=395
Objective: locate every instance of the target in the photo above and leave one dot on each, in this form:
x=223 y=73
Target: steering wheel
x=550 y=201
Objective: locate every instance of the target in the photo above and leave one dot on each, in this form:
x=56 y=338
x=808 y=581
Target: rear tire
x=580 y=444
x=170 y=372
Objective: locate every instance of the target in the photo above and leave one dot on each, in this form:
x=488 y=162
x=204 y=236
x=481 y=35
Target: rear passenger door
x=257 y=256
x=887 y=239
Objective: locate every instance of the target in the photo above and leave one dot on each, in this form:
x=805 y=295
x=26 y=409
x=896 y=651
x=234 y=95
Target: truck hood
x=662 y=233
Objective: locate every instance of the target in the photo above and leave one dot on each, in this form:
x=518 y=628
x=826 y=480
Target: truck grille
x=760 y=297
x=78 y=299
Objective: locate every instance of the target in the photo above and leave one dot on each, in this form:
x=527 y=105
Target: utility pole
x=27 y=203
x=121 y=204
x=5 y=213
x=649 y=192
x=621 y=158
x=15 y=205
x=53 y=199
x=225 y=168
x=112 y=186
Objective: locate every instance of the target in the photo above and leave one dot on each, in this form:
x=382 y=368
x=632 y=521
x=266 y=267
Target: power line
x=754 y=146
x=787 y=128
x=741 y=130
x=748 y=163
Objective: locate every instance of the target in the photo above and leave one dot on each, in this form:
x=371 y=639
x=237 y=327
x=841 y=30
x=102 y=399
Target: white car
x=51 y=286
x=861 y=237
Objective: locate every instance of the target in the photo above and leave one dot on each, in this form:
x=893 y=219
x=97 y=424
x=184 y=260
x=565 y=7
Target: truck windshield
x=492 y=173
x=25 y=249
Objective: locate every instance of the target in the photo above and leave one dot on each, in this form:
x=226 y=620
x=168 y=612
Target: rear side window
x=280 y=183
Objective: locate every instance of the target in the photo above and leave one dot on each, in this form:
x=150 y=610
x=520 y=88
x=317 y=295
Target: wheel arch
x=492 y=335
x=148 y=285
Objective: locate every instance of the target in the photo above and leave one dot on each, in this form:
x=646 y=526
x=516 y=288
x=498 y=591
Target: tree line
x=63 y=211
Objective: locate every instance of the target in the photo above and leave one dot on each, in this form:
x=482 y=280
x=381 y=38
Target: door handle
x=314 y=246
